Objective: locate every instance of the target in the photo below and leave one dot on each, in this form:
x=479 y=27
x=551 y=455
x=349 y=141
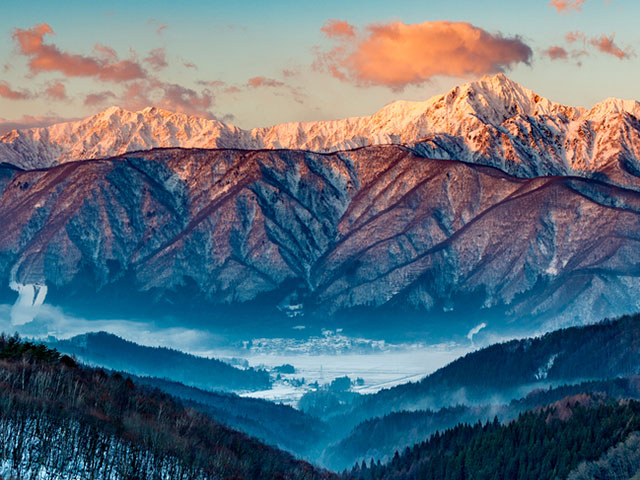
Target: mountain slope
x=545 y=444
x=61 y=420
x=273 y=423
x=493 y=121
x=377 y=227
x=511 y=369
x=110 y=351
x=379 y=438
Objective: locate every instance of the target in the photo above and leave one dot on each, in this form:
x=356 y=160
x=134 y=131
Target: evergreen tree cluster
x=540 y=444
x=380 y=437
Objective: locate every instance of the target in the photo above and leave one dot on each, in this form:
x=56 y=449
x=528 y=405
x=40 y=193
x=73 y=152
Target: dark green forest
x=381 y=437
x=541 y=444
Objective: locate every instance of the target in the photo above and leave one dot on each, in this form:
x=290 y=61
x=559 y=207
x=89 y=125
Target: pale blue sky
x=235 y=41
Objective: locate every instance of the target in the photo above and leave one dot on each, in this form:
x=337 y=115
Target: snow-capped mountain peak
x=614 y=106
x=493 y=121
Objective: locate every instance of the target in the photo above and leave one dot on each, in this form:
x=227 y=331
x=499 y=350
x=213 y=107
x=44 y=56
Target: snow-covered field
x=378 y=370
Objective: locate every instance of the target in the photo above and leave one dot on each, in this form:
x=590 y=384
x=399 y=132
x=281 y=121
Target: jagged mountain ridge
x=493 y=121
x=367 y=228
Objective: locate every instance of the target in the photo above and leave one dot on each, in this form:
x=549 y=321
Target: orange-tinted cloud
x=98 y=98
x=56 y=91
x=256 y=82
x=44 y=57
x=105 y=52
x=232 y=89
x=572 y=37
x=157 y=59
x=216 y=84
x=603 y=43
x=396 y=54
x=556 y=53
x=606 y=44
x=565 y=6
x=279 y=88
x=9 y=93
x=338 y=29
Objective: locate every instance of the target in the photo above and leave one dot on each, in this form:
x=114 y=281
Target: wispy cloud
x=566 y=6
x=257 y=82
x=169 y=96
x=606 y=44
x=138 y=82
x=55 y=322
x=338 y=29
x=579 y=45
x=160 y=27
x=56 y=91
x=47 y=57
x=556 y=53
x=475 y=330
x=6 y=91
x=98 y=98
x=29 y=121
x=157 y=59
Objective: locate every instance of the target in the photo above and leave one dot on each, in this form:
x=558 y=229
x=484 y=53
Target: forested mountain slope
x=110 y=351
x=546 y=444
x=62 y=420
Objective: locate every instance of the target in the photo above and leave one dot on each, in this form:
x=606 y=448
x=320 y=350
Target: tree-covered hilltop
x=110 y=351
x=547 y=443
x=380 y=437
x=59 y=419
x=273 y=423
x=604 y=350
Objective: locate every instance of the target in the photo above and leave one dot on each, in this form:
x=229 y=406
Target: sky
x=258 y=63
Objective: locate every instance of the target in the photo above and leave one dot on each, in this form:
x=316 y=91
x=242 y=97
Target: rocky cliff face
x=373 y=227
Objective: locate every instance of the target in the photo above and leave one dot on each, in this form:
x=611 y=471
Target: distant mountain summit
x=492 y=121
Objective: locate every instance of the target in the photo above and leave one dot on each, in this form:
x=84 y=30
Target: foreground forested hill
x=379 y=438
x=59 y=420
x=541 y=444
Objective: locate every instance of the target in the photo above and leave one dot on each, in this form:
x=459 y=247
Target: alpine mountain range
x=489 y=201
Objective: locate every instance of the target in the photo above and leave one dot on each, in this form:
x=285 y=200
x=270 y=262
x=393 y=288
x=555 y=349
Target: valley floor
x=377 y=370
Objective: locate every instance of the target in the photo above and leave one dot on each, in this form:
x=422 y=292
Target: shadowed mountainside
x=377 y=227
